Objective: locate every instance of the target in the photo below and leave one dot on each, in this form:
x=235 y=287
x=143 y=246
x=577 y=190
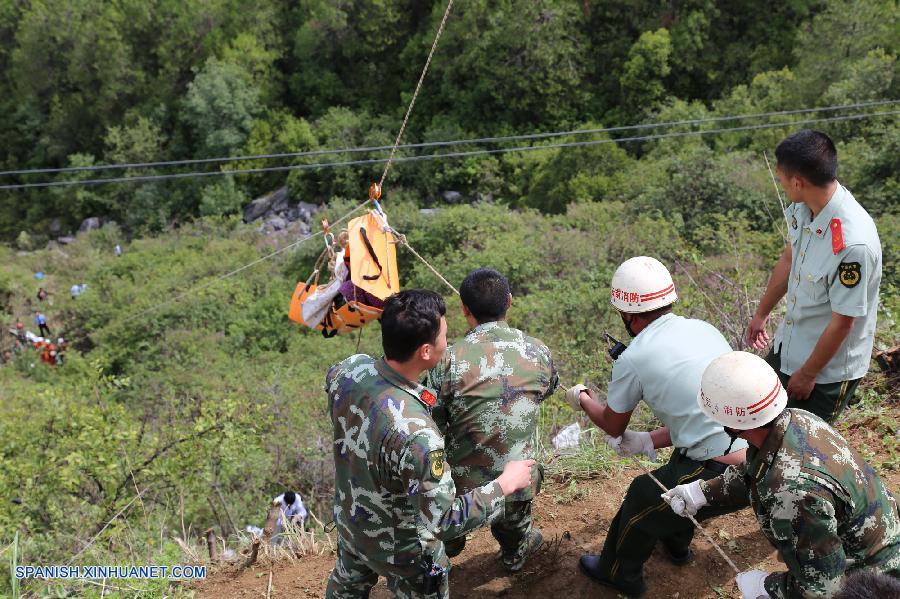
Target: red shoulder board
x=837 y=236
x=428 y=398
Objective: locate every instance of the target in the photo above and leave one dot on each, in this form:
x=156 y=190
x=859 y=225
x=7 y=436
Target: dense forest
x=131 y=82
x=188 y=400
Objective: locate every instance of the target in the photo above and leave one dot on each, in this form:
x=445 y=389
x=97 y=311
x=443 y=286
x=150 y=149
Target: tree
x=219 y=108
x=221 y=198
x=520 y=64
x=838 y=38
x=644 y=73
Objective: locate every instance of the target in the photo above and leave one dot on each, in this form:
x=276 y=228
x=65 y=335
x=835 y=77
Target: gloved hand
x=752 y=585
x=633 y=443
x=685 y=499
x=572 y=396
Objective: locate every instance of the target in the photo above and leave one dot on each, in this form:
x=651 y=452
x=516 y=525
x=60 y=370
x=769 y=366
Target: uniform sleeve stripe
x=658 y=294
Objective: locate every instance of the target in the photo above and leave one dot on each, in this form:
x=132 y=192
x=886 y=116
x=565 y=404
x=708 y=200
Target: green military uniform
x=818 y=502
x=662 y=367
x=490 y=387
x=835 y=268
x=394 y=498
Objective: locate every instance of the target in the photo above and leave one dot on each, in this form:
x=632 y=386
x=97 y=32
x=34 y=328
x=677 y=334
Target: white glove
x=614 y=443
x=572 y=396
x=632 y=443
x=752 y=584
x=685 y=499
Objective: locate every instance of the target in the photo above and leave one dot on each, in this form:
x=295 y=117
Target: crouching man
x=662 y=367
x=818 y=502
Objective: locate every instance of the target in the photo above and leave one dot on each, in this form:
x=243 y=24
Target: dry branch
x=212 y=546
x=254 y=553
x=271 y=519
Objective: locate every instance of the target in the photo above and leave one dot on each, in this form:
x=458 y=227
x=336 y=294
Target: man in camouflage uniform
x=817 y=501
x=490 y=387
x=394 y=499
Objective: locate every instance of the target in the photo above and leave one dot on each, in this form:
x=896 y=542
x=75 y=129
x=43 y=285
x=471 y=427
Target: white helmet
x=642 y=284
x=741 y=391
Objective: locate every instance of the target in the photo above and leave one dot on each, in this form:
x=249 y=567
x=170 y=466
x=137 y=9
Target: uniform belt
x=710 y=464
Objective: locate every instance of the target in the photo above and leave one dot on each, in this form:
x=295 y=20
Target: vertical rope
x=778 y=194
x=416 y=93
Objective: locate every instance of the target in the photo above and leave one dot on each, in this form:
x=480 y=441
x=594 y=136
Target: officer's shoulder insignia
x=837 y=236
x=436 y=460
x=849 y=274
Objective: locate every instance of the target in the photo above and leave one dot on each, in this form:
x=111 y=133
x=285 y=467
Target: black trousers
x=44 y=330
x=645 y=518
x=827 y=400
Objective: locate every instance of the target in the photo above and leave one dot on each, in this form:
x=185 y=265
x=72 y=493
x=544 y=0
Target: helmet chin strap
x=731 y=435
x=628 y=326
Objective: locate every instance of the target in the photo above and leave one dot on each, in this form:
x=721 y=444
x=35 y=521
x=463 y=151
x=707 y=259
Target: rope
x=777 y=194
x=401 y=239
x=428 y=157
x=690 y=517
x=227 y=275
x=454 y=142
x=412 y=102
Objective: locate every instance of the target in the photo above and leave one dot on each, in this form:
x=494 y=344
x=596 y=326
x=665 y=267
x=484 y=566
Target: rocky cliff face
x=276 y=212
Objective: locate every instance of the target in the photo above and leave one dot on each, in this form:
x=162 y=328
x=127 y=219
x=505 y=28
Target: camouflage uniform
x=490 y=387
x=394 y=499
x=818 y=502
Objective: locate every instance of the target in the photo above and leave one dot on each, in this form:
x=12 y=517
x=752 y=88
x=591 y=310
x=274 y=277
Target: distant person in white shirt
x=292 y=510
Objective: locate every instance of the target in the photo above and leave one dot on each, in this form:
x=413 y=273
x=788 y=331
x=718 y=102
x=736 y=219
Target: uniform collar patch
x=822 y=222
x=428 y=398
x=417 y=390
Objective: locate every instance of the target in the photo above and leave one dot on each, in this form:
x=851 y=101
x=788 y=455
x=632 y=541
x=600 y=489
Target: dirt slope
x=574 y=521
x=572 y=528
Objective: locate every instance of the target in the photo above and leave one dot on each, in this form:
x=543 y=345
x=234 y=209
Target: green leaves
x=219 y=107
x=646 y=68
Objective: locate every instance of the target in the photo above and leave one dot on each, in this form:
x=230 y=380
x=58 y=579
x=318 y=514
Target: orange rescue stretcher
x=373 y=269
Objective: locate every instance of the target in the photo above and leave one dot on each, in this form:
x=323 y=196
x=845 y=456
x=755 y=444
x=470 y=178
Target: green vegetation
x=138 y=81
x=172 y=415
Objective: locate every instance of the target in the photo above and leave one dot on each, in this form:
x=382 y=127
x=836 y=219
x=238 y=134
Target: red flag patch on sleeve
x=837 y=236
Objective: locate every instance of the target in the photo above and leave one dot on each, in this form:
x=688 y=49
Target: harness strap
x=372 y=253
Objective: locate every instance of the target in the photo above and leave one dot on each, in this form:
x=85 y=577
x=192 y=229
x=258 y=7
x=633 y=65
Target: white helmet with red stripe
x=741 y=391
x=642 y=284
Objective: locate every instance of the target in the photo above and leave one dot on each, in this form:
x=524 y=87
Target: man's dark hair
x=411 y=319
x=485 y=292
x=810 y=154
x=289 y=497
x=868 y=584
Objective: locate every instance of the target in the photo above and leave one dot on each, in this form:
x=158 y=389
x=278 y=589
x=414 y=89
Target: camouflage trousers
x=510 y=530
x=827 y=400
x=353 y=578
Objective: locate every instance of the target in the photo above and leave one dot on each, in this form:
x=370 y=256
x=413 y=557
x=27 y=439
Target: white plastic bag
x=319 y=301
x=567 y=437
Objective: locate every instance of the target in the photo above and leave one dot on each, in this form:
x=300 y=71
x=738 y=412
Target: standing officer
x=490 y=387
x=662 y=367
x=830 y=272
x=817 y=501
x=394 y=498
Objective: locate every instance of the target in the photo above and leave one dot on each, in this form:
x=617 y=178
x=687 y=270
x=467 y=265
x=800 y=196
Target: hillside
x=573 y=516
x=550 y=140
